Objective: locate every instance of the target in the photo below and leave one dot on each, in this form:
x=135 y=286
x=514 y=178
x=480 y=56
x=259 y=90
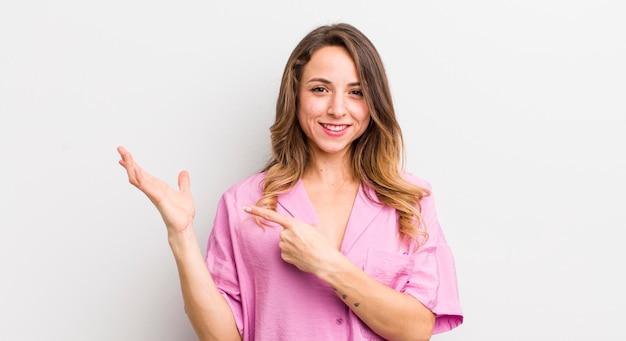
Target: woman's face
x=332 y=110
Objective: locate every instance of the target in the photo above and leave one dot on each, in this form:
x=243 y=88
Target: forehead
x=331 y=62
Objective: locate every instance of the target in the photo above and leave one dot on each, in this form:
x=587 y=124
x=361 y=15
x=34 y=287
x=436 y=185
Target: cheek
x=301 y=116
x=366 y=117
x=366 y=123
x=362 y=111
x=311 y=105
x=312 y=108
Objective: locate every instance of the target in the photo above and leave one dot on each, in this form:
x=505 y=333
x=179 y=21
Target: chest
x=333 y=208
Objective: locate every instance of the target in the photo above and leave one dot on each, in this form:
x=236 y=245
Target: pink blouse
x=274 y=300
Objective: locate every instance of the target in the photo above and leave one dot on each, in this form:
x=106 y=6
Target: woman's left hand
x=301 y=244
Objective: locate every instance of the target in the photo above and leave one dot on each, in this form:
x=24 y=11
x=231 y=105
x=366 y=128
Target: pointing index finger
x=270 y=215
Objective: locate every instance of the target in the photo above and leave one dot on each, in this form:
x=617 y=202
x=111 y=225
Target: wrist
x=179 y=240
x=334 y=267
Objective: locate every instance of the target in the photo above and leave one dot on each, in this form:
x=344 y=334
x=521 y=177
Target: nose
x=337 y=105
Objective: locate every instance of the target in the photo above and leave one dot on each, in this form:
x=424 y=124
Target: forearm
x=391 y=314
x=207 y=310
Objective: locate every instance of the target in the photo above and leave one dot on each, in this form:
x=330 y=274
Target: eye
x=357 y=93
x=319 y=89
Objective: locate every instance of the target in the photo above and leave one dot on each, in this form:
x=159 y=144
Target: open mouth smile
x=334 y=127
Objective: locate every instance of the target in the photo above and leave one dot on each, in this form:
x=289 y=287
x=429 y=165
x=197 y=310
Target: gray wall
x=513 y=110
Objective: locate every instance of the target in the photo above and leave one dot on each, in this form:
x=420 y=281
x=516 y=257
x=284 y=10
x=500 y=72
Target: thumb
x=183 y=181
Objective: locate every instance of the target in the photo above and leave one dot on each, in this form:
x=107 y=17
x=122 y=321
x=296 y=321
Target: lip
x=335 y=129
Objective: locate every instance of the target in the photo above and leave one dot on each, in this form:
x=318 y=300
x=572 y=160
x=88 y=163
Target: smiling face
x=332 y=111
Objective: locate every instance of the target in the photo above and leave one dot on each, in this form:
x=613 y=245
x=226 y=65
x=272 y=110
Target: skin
x=330 y=97
x=332 y=113
x=206 y=309
x=331 y=94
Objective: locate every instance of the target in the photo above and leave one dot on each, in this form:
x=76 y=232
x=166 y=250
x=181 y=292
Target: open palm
x=175 y=206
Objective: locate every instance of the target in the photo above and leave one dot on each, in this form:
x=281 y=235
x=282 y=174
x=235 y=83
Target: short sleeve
x=433 y=280
x=220 y=262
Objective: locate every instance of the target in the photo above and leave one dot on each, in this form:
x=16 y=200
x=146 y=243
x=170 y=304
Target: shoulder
x=248 y=187
x=416 y=180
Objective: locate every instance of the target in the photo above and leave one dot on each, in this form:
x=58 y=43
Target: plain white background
x=513 y=110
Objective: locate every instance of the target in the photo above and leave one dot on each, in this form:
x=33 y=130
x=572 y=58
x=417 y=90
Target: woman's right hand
x=207 y=310
x=176 y=207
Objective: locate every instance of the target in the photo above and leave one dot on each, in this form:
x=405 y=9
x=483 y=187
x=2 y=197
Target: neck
x=329 y=171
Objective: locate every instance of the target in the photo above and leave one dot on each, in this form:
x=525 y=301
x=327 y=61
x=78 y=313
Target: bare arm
x=391 y=314
x=208 y=312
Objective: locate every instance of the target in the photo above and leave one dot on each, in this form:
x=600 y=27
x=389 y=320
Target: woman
x=332 y=240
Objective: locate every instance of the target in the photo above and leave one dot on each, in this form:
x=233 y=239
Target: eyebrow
x=326 y=81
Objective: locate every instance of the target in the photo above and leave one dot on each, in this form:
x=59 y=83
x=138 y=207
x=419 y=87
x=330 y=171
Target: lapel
x=364 y=211
x=297 y=204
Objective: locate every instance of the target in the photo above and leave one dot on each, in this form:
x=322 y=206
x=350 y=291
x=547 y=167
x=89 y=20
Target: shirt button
x=339 y=321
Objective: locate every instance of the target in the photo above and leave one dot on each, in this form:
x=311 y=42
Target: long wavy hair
x=376 y=157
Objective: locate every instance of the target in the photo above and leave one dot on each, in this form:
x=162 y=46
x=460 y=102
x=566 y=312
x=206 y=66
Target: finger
x=136 y=175
x=183 y=181
x=142 y=179
x=121 y=150
x=270 y=215
x=128 y=163
x=125 y=155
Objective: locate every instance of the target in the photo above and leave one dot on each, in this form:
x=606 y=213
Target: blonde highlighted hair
x=376 y=157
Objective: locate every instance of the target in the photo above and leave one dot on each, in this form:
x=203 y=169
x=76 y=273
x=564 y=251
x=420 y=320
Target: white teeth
x=334 y=127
